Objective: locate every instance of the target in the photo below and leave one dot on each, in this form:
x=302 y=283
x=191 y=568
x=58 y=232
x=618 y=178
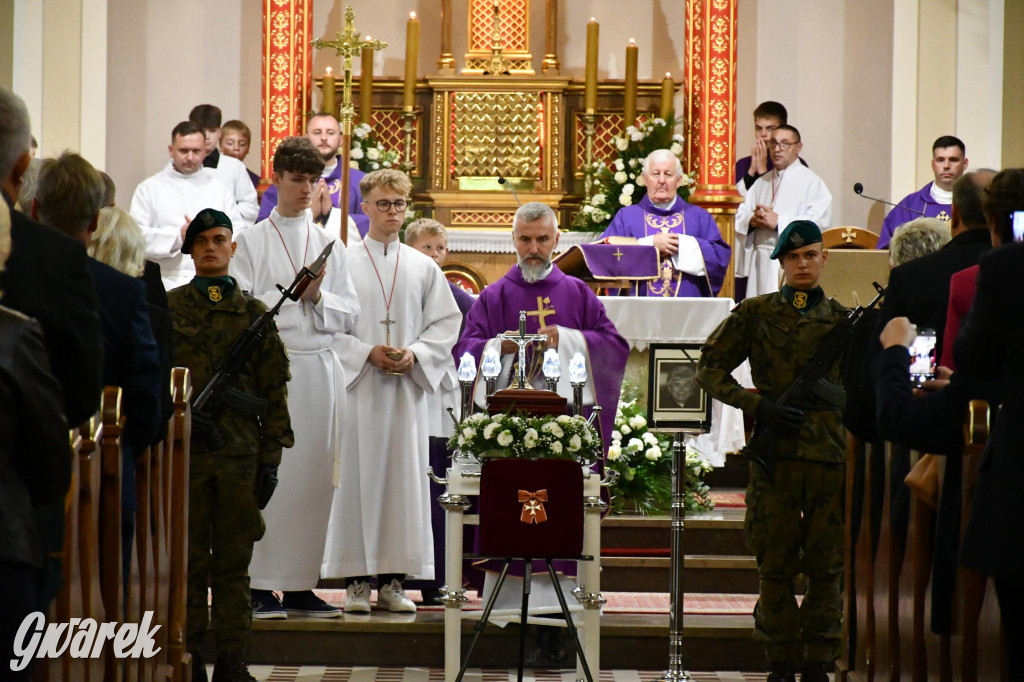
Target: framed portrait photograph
x=674 y=400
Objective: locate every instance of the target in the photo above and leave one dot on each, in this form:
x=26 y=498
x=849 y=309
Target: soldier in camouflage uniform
x=794 y=520
x=229 y=485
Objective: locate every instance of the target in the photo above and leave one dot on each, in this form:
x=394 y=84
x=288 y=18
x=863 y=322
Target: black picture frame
x=674 y=400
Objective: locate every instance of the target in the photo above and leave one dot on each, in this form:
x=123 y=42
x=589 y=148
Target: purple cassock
x=564 y=301
x=269 y=200
x=646 y=220
x=919 y=201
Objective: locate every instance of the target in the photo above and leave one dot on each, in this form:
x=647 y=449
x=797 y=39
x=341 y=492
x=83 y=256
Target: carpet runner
x=618 y=602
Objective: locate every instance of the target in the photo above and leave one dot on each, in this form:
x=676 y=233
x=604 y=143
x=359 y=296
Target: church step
x=718 y=532
x=710 y=642
x=706 y=574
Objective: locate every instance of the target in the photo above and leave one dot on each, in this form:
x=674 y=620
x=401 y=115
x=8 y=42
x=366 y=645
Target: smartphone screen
x=1018 y=226
x=922 y=357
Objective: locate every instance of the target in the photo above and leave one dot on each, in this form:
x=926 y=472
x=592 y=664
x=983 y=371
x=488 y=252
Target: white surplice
x=162 y=203
x=380 y=519
x=799 y=195
x=290 y=553
x=232 y=173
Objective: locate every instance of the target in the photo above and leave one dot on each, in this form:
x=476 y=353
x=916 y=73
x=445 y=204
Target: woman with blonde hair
x=118 y=241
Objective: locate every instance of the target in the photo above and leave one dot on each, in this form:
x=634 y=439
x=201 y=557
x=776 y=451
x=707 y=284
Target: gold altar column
x=446 y=62
x=710 y=114
x=287 y=64
x=550 y=65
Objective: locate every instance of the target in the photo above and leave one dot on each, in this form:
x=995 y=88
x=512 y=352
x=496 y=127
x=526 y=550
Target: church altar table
x=646 y=320
x=463 y=481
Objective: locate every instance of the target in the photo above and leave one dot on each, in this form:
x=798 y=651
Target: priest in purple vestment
x=323 y=131
x=693 y=256
x=934 y=200
x=560 y=306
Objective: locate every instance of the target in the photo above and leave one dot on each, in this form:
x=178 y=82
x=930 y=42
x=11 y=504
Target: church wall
x=164 y=58
x=1013 y=85
x=6 y=44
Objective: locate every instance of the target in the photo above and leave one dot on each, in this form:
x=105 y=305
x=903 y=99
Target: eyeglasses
x=784 y=146
x=384 y=205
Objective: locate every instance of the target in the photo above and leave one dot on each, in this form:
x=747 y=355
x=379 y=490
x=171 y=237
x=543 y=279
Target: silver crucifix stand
x=522 y=340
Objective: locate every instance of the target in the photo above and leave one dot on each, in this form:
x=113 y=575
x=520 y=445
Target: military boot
x=198 y=668
x=230 y=668
x=814 y=672
x=782 y=672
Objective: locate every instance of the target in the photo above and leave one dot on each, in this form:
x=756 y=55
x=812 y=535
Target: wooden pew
x=176 y=500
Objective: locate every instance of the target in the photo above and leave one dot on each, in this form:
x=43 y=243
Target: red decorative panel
x=287 y=61
x=513 y=21
x=607 y=126
x=388 y=127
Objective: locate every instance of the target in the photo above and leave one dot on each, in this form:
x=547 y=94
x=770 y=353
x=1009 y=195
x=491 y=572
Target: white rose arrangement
x=514 y=435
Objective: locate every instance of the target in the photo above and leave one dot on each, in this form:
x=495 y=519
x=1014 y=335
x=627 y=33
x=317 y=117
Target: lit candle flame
x=412 y=15
x=632 y=43
x=328 y=71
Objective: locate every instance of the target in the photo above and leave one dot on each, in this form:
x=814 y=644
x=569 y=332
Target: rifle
x=810 y=380
x=211 y=400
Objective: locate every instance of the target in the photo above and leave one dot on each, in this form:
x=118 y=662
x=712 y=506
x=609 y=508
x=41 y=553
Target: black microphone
x=859 y=190
x=503 y=181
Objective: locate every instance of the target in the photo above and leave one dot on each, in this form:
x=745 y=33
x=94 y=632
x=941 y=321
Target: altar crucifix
x=347 y=44
x=522 y=340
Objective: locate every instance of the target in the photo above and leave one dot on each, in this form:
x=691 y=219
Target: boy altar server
x=271 y=253
x=398 y=352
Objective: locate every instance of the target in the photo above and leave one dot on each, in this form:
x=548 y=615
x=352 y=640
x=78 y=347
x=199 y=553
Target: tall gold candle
x=412 y=50
x=366 y=85
x=327 y=93
x=590 y=91
x=629 y=107
x=667 y=95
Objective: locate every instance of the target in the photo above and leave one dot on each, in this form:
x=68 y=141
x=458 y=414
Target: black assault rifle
x=211 y=401
x=810 y=381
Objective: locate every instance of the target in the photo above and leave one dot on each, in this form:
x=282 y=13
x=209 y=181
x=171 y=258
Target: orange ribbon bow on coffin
x=533 y=506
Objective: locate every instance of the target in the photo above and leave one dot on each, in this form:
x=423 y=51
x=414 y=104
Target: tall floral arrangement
x=644 y=462
x=367 y=153
x=616 y=184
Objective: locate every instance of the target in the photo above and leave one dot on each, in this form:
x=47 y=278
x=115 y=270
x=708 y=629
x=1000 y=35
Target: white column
x=27 y=75
x=93 y=101
x=904 y=98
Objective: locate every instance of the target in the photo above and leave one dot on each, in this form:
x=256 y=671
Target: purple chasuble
x=269 y=200
x=646 y=220
x=574 y=306
x=920 y=200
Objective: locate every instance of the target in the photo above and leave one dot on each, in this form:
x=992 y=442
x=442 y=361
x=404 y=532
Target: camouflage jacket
x=203 y=332
x=779 y=342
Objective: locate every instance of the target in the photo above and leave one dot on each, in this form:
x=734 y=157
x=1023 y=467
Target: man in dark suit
x=69 y=198
x=990 y=345
x=47 y=277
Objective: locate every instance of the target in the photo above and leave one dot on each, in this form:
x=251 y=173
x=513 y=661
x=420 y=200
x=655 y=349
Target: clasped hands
x=392 y=360
x=764 y=217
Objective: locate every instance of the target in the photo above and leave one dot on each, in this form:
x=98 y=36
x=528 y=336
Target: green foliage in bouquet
x=616 y=183
x=367 y=153
x=515 y=435
x=644 y=462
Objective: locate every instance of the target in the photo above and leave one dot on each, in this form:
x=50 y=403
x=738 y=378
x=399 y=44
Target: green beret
x=207 y=219
x=797 y=234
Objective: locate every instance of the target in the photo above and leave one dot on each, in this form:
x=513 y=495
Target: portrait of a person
x=678 y=388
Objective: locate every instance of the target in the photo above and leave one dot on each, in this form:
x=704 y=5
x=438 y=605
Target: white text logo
x=82 y=638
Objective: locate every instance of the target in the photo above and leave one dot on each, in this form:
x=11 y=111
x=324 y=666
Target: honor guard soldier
x=794 y=519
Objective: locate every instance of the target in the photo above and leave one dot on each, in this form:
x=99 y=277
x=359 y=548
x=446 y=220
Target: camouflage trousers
x=223 y=524
x=794 y=525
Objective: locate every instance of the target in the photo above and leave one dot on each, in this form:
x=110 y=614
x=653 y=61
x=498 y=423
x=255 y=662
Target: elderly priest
x=693 y=256
x=557 y=305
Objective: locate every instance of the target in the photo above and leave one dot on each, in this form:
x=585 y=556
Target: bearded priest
x=692 y=255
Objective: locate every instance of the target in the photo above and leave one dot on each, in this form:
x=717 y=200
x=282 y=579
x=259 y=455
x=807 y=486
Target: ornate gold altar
x=462 y=129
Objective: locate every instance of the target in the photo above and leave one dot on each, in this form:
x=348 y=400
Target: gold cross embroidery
x=543 y=310
x=618 y=254
x=943 y=216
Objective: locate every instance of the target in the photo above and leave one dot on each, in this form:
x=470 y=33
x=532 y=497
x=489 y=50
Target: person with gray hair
x=693 y=257
x=917 y=238
x=47 y=277
x=574 y=321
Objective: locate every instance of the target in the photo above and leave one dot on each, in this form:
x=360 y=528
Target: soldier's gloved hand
x=786 y=419
x=266 y=484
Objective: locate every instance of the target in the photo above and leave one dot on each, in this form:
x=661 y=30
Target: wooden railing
x=94 y=585
x=887 y=601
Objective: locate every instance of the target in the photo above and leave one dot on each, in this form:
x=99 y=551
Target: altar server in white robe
x=289 y=556
x=791 y=191
x=164 y=204
x=397 y=354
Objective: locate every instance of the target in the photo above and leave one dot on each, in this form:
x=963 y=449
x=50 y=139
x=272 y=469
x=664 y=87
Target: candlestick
x=629 y=107
x=327 y=93
x=412 y=50
x=590 y=91
x=366 y=84
x=668 y=89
